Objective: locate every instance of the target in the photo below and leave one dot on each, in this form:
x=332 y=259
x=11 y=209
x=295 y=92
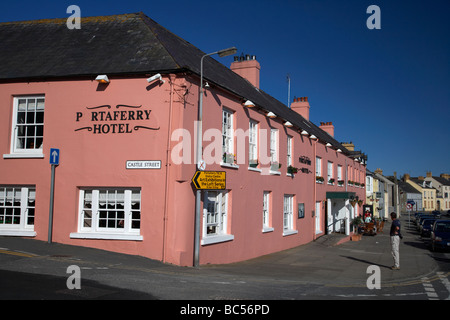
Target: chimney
x=247 y=67
x=349 y=146
x=301 y=106
x=421 y=178
x=406 y=176
x=429 y=174
x=379 y=171
x=327 y=127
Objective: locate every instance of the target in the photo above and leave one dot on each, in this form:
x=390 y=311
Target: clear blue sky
x=387 y=90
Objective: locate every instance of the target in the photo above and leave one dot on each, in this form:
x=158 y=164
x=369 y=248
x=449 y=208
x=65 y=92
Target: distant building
x=442 y=186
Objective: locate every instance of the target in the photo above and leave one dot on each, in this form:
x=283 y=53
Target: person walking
x=396 y=235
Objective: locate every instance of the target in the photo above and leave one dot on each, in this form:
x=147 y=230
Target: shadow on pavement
x=30 y=286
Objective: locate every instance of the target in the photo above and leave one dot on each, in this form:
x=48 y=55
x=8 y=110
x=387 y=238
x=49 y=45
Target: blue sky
x=386 y=90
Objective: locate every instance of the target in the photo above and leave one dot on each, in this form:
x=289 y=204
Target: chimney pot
x=301 y=106
x=248 y=68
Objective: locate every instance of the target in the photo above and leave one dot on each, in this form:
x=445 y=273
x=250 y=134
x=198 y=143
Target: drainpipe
x=168 y=164
x=315 y=189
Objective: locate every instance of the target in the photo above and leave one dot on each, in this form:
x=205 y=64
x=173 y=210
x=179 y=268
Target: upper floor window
x=253 y=142
x=28 y=125
x=227 y=137
x=318 y=167
x=289 y=151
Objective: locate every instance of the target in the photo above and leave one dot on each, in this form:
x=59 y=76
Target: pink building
x=127 y=147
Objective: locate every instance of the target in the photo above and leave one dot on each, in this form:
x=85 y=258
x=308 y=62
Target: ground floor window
x=109 y=213
x=215 y=217
x=17 y=210
x=288 y=214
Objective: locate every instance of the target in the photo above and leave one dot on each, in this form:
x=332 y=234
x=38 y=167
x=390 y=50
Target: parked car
x=440 y=235
x=425 y=227
x=421 y=218
x=436 y=213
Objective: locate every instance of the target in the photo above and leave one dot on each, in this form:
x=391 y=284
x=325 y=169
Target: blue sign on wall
x=54 y=157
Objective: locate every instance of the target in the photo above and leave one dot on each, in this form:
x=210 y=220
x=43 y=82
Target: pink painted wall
x=167 y=194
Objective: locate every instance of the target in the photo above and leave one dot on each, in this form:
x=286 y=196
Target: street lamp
x=221 y=53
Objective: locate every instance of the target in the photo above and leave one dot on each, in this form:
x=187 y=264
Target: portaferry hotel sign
x=106 y=119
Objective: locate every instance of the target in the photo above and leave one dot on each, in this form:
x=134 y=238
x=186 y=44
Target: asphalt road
x=35 y=270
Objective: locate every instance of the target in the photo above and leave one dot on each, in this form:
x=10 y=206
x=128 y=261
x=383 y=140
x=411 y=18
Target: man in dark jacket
x=396 y=235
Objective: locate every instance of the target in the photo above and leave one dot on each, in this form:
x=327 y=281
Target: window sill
x=229 y=165
x=216 y=239
x=289 y=232
x=18 y=233
x=105 y=236
x=254 y=169
x=267 y=229
x=276 y=173
x=23 y=156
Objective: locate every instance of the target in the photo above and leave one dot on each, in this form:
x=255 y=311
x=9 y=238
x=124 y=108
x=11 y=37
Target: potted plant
x=228 y=158
x=360 y=202
x=319 y=179
x=340 y=182
x=331 y=181
x=275 y=166
x=292 y=169
x=356 y=225
x=253 y=163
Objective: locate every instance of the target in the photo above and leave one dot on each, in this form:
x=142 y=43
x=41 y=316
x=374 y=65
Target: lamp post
x=221 y=53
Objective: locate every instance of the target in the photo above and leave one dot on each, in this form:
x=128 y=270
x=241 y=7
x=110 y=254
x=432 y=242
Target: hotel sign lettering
x=105 y=119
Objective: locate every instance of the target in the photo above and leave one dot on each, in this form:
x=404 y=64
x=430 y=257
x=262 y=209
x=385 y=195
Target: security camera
x=155 y=77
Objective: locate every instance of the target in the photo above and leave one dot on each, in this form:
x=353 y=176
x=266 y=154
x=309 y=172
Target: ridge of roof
x=140 y=46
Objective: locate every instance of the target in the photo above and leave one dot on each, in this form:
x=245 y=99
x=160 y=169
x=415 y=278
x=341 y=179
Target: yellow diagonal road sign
x=209 y=180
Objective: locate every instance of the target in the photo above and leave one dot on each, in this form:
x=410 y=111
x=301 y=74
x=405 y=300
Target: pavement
x=331 y=263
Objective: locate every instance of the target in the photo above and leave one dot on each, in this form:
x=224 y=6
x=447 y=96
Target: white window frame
x=227 y=134
x=288 y=215
x=330 y=174
x=26 y=198
x=266 y=212
x=274 y=157
x=339 y=172
x=16 y=151
x=318 y=167
x=95 y=231
x=289 y=151
x=215 y=215
x=253 y=141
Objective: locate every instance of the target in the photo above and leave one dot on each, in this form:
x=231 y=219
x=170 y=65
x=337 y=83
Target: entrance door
x=318 y=214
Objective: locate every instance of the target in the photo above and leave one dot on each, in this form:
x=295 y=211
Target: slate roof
x=442 y=181
x=127 y=44
x=406 y=187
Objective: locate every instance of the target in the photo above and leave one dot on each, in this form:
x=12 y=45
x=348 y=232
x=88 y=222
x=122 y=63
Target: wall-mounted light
x=249 y=104
x=155 y=77
x=338 y=150
x=102 y=79
x=271 y=115
x=304 y=133
x=313 y=137
x=288 y=124
x=328 y=144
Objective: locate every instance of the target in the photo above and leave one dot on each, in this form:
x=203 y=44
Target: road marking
x=445 y=282
x=429 y=289
x=17 y=253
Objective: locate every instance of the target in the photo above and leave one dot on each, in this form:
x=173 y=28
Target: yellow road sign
x=210 y=180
